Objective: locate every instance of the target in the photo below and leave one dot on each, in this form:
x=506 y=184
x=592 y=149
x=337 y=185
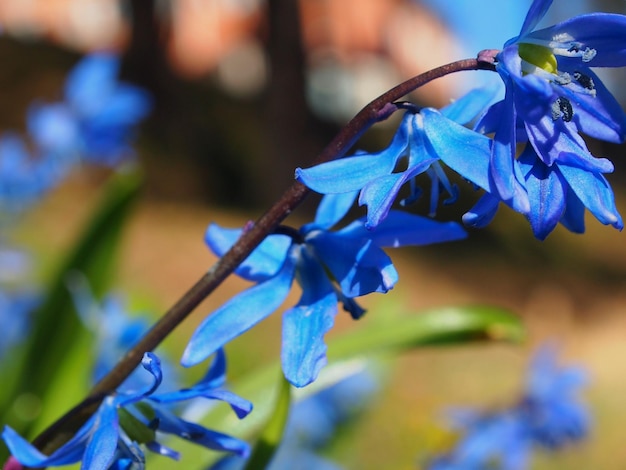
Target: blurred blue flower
x=314 y=421
x=97 y=118
x=115 y=331
x=16 y=307
x=24 y=178
x=95 y=123
x=552 y=95
x=17 y=299
x=111 y=437
x=424 y=138
x=329 y=266
x=550 y=415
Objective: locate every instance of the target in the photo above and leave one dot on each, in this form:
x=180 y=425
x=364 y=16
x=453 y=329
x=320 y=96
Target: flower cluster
x=551 y=96
x=550 y=415
x=131 y=417
x=524 y=149
x=111 y=437
x=330 y=267
x=94 y=123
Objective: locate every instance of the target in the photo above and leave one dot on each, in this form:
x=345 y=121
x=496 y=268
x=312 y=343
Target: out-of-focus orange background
x=245 y=91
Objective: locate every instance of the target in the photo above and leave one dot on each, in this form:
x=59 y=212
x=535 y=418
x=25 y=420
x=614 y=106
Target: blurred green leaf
x=272 y=434
x=55 y=326
x=444 y=326
x=441 y=326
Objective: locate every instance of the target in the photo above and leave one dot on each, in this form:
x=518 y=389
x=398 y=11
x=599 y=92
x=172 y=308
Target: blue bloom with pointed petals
x=125 y=419
x=551 y=96
x=550 y=415
x=314 y=422
x=329 y=266
x=425 y=139
x=25 y=178
x=15 y=312
x=97 y=118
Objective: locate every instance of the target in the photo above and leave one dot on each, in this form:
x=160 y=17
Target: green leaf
x=55 y=325
x=443 y=326
x=135 y=429
x=387 y=335
x=272 y=435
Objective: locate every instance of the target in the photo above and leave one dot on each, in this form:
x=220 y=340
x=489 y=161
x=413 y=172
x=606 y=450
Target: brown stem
x=378 y=110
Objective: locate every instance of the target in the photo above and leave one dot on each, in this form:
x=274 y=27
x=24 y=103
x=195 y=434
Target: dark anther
x=562 y=108
x=574 y=47
x=584 y=81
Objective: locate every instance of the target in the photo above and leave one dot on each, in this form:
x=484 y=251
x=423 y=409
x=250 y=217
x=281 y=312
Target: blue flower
x=314 y=421
x=16 y=307
x=24 y=179
x=97 y=118
x=550 y=415
x=551 y=95
x=551 y=406
x=111 y=437
x=115 y=332
x=559 y=194
x=425 y=139
x=329 y=266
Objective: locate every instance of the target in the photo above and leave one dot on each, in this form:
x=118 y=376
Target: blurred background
x=245 y=91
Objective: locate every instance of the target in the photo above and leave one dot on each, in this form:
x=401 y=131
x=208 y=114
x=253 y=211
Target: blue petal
x=471 y=105
x=54 y=128
x=263 y=263
x=595 y=193
x=346 y=174
x=558 y=141
x=603 y=32
x=546 y=193
x=404 y=229
x=464 y=151
x=535 y=13
x=352 y=173
x=358 y=265
x=71 y=452
x=303 y=353
x=239 y=314
x=380 y=194
x=490 y=120
x=504 y=172
x=172 y=424
x=165 y=451
x=147 y=386
x=483 y=212
x=152 y=364
x=240 y=406
x=90 y=81
x=574 y=217
x=532 y=95
x=103 y=442
x=125 y=107
x=216 y=375
x=333 y=207
x=598 y=115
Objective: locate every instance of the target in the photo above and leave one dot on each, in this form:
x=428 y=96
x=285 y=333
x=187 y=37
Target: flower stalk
x=378 y=110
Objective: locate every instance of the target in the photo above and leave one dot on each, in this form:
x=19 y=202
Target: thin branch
x=378 y=110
